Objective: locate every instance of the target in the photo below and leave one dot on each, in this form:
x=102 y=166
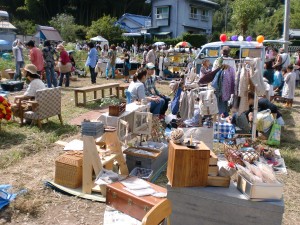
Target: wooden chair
x=47 y=103
x=158 y=213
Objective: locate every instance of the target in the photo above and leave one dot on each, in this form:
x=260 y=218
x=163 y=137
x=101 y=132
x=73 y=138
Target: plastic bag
x=264 y=120
x=274 y=137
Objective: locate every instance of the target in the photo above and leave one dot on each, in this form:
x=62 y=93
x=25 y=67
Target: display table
x=113 y=120
x=215 y=206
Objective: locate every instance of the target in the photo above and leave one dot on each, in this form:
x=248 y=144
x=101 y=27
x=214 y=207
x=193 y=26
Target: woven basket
x=233 y=153
x=68 y=169
x=116 y=110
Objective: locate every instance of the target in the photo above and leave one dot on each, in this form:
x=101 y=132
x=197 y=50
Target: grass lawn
x=27 y=157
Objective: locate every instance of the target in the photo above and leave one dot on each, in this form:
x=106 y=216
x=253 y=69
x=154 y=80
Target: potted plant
x=115 y=106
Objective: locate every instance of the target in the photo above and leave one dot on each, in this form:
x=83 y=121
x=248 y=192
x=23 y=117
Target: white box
x=260 y=192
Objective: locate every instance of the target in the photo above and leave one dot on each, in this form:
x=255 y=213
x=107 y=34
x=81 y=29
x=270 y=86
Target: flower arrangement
x=5 y=110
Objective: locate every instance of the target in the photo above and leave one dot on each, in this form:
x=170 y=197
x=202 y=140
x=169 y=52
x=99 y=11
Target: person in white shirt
x=286 y=60
x=30 y=72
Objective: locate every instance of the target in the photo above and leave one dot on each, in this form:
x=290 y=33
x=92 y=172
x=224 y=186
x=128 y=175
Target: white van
x=238 y=50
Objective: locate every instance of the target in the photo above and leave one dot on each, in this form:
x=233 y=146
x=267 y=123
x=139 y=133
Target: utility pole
x=286 y=24
x=226 y=16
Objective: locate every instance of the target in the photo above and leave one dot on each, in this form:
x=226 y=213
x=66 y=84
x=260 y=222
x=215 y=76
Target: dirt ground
x=43 y=205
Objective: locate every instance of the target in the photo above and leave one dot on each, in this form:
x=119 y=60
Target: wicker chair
x=47 y=103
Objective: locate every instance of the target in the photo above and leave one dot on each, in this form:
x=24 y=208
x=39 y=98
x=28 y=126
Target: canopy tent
x=100 y=39
x=159 y=43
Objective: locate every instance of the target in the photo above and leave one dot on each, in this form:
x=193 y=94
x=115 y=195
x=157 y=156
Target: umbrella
x=159 y=43
x=4 y=42
x=183 y=44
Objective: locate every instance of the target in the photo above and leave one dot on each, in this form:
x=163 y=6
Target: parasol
x=183 y=44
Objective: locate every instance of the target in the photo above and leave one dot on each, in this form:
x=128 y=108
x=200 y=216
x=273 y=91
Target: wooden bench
x=94 y=89
x=123 y=87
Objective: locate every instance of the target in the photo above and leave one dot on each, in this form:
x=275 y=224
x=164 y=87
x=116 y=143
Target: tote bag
x=274 y=137
x=208 y=103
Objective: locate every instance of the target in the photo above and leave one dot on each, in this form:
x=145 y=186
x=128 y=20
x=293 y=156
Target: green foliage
x=244 y=13
x=110 y=101
x=65 y=24
x=196 y=40
x=80 y=32
x=25 y=27
x=105 y=26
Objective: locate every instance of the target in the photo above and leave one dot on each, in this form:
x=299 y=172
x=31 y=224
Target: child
x=288 y=91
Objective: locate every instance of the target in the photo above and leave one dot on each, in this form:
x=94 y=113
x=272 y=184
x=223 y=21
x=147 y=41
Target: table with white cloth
x=127 y=115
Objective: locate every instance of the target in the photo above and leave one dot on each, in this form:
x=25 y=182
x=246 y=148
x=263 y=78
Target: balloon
x=260 y=39
x=234 y=38
x=223 y=37
x=249 y=38
x=240 y=38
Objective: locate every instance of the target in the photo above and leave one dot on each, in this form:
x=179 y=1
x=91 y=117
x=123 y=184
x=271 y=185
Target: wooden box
x=216 y=181
x=116 y=110
x=134 y=206
x=68 y=169
x=188 y=167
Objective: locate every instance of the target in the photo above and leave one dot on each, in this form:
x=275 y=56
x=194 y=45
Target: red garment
x=64 y=57
x=36 y=58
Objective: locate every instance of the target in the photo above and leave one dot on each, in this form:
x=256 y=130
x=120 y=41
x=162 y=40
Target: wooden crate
x=188 y=167
x=134 y=206
x=213 y=160
x=68 y=169
x=216 y=181
x=213 y=170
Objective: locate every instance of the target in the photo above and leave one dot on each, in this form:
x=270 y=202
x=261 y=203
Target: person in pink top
x=35 y=56
x=65 y=65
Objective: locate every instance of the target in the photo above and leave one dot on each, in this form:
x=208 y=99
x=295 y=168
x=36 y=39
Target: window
x=194 y=13
x=204 y=15
x=162 y=13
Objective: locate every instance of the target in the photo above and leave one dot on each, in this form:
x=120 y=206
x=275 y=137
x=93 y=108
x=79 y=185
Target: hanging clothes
x=176 y=101
x=184 y=105
x=256 y=77
x=243 y=91
x=236 y=98
x=228 y=83
x=191 y=104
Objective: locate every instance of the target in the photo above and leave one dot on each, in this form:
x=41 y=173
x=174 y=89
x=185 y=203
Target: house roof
x=7 y=25
x=211 y=4
x=48 y=33
x=139 y=20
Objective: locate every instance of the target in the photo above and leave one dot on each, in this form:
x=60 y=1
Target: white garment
x=184 y=105
x=286 y=60
x=191 y=105
x=256 y=77
x=35 y=85
x=137 y=90
x=288 y=90
x=243 y=91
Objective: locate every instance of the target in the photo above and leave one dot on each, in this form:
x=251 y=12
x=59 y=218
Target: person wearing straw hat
x=35 y=84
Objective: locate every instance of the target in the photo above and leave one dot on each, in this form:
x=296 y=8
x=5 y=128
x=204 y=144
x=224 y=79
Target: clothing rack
x=255 y=106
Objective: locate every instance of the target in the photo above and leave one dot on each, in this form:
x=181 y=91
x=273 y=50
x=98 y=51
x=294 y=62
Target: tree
x=105 y=27
x=65 y=24
x=25 y=27
x=245 y=12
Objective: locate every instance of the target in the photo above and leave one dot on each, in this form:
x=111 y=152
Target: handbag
x=65 y=68
x=274 y=137
x=209 y=77
x=208 y=103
